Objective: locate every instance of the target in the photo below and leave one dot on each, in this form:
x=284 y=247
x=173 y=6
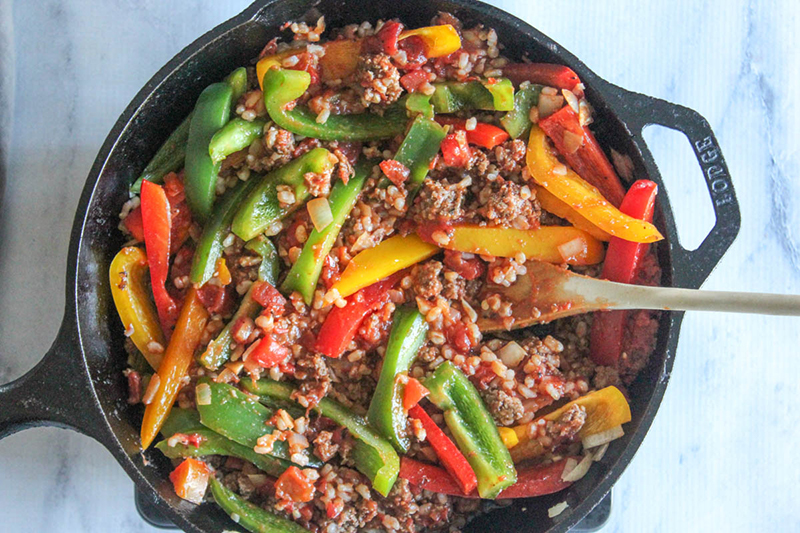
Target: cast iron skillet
x=79 y=383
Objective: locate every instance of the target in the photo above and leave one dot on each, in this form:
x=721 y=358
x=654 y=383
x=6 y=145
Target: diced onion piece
x=152 y=388
x=579 y=471
x=557 y=509
x=257 y=479
x=573 y=249
x=320 y=211
x=598 y=439
x=600 y=452
x=202 y=394
x=549 y=104
x=511 y=354
x=572 y=141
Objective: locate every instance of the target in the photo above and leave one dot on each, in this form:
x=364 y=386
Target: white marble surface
x=719 y=455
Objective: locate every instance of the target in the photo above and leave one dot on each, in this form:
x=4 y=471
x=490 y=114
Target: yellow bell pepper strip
x=132 y=300
x=439 y=40
x=567 y=186
x=180 y=352
x=546 y=243
x=560 y=209
x=605 y=409
x=282 y=87
x=390 y=256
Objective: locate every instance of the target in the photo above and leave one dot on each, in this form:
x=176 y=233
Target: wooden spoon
x=547 y=292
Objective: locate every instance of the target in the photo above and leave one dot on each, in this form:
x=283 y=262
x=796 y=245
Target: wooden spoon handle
x=639 y=297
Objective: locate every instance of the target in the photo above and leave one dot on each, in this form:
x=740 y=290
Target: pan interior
x=163 y=104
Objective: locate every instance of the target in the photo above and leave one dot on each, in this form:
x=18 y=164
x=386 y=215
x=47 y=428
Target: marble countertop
x=719 y=454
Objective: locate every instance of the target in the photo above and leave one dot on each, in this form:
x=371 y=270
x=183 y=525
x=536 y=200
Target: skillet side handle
x=56 y=392
x=641 y=111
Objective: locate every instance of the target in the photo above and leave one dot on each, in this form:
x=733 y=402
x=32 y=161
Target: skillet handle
x=640 y=111
x=56 y=392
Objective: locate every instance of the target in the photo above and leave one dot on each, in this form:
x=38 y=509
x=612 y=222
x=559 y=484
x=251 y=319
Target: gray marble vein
x=720 y=454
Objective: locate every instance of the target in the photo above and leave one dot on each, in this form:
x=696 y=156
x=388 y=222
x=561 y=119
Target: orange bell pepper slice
x=567 y=186
x=605 y=409
x=136 y=310
x=541 y=243
x=374 y=264
x=341 y=56
x=175 y=365
x=560 y=209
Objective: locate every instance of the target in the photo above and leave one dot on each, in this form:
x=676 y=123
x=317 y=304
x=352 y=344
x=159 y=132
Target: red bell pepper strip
x=534 y=481
x=449 y=454
x=548 y=74
x=455 y=150
x=485 y=135
x=157 y=225
x=588 y=159
x=342 y=323
x=413 y=393
x=623 y=260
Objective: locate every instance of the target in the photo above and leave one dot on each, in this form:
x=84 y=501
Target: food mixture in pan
x=311 y=286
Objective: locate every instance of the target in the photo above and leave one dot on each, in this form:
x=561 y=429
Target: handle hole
x=685 y=184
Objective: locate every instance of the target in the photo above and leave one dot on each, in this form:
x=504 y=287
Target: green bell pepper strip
x=261 y=207
x=517 y=122
x=452 y=96
x=209 y=247
x=219 y=350
x=168 y=158
x=236 y=135
x=188 y=422
x=409 y=330
x=375 y=458
x=236 y=416
x=181 y=421
x=211 y=112
x=419 y=104
x=419 y=147
x=472 y=427
x=270 y=266
x=238 y=82
x=248 y=515
x=281 y=87
x=306 y=270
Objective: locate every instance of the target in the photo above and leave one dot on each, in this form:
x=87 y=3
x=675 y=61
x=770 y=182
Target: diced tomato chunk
x=269 y=298
x=190 y=480
x=455 y=149
x=416 y=52
x=414 y=392
x=396 y=171
x=133 y=223
x=269 y=352
x=468 y=269
x=293 y=485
